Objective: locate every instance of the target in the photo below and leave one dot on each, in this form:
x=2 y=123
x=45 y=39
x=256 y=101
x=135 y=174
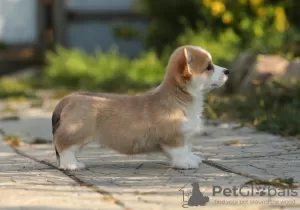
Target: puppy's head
x=194 y=70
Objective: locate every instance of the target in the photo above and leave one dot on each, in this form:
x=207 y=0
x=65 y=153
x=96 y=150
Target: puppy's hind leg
x=68 y=160
x=69 y=133
x=66 y=152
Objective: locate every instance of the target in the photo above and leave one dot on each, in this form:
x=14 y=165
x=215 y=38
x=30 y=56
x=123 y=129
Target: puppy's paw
x=196 y=158
x=68 y=160
x=185 y=163
x=181 y=157
x=72 y=166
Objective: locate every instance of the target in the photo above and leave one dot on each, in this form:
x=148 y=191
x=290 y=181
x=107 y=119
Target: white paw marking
x=185 y=163
x=68 y=160
x=77 y=166
x=182 y=158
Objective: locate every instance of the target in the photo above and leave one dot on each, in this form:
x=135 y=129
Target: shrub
x=105 y=71
x=261 y=25
x=275 y=107
x=13 y=88
x=223 y=47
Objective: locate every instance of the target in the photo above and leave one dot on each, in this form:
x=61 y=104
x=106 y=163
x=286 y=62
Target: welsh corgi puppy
x=160 y=120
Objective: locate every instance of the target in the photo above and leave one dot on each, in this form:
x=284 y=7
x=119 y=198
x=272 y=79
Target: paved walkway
x=30 y=180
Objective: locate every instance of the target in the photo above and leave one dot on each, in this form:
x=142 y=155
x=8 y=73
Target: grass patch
x=10 y=118
x=40 y=141
x=13 y=141
x=232 y=143
x=8 y=109
x=278 y=182
x=12 y=88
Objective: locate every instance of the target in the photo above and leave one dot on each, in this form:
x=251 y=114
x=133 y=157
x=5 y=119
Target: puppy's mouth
x=223 y=79
x=215 y=85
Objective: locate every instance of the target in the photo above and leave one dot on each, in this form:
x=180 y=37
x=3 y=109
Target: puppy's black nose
x=226 y=71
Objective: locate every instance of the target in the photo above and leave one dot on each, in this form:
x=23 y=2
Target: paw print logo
x=260 y=191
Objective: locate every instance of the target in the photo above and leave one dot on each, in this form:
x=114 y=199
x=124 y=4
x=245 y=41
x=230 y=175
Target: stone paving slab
x=143 y=181
x=258 y=154
x=26 y=184
x=147 y=182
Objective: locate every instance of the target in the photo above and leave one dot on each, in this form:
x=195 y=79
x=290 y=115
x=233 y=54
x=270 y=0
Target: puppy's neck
x=174 y=95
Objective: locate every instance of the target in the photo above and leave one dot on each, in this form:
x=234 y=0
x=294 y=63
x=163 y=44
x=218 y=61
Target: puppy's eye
x=209 y=67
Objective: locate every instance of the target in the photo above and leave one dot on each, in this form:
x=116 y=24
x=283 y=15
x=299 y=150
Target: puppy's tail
x=55 y=120
x=55 y=125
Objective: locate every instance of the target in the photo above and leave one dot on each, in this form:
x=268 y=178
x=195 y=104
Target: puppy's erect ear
x=188 y=63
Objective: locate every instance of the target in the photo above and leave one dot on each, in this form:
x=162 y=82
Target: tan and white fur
x=160 y=120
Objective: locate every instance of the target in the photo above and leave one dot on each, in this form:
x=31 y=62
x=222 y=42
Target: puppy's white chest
x=193 y=120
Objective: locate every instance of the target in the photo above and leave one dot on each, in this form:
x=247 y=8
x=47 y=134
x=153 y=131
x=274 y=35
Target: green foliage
x=168 y=19
x=104 y=71
x=13 y=88
x=274 y=107
x=222 y=53
x=293 y=15
x=260 y=24
x=3 y=46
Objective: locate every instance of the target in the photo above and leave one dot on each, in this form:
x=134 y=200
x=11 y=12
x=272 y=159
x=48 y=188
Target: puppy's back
x=124 y=123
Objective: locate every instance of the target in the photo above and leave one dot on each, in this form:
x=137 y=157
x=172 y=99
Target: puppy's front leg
x=181 y=157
